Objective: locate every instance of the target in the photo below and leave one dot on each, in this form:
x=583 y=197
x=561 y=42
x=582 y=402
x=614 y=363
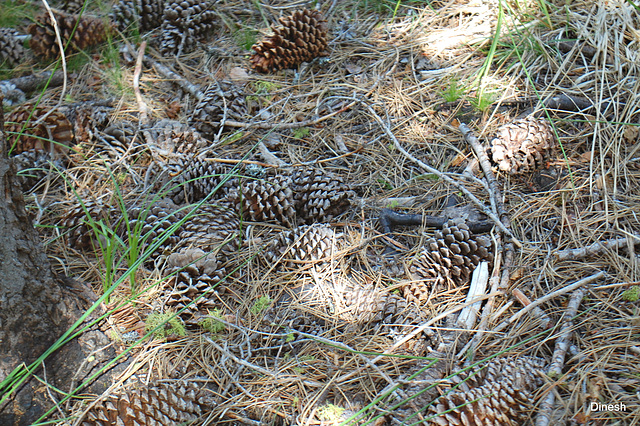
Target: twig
x=560 y=351
x=142 y=106
x=548 y=297
x=595 y=248
x=30 y=83
x=525 y=301
x=192 y=89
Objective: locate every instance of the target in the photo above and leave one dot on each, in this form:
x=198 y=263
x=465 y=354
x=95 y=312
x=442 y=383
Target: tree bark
x=36 y=308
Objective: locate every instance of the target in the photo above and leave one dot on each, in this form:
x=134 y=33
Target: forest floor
x=388 y=100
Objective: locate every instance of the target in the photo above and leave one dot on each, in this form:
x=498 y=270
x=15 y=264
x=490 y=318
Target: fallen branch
x=559 y=353
x=33 y=82
x=142 y=106
x=548 y=297
x=467 y=318
x=537 y=312
x=596 y=248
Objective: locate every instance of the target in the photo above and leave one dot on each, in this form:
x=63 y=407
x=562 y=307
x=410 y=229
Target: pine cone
x=55 y=127
x=147 y=14
x=210 y=111
x=211 y=228
x=370 y=304
x=153 y=221
x=195 y=178
x=300 y=38
x=184 y=23
x=78 y=220
x=196 y=274
x=11 y=48
x=172 y=137
x=502 y=397
x=319 y=196
x=523 y=145
x=33 y=166
x=89 y=31
x=265 y=200
x=159 y=404
x=306 y=243
x=448 y=260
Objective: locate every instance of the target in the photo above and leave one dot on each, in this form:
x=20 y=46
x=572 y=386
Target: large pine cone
x=265 y=200
x=55 y=129
x=11 y=48
x=146 y=13
x=210 y=111
x=523 y=145
x=170 y=137
x=300 y=38
x=195 y=274
x=89 y=31
x=159 y=404
x=501 y=395
x=304 y=244
x=319 y=196
x=152 y=222
x=195 y=178
x=211 y=228
x=448 y=260
x=184 y=23
x=34 y=166
x=83 y=220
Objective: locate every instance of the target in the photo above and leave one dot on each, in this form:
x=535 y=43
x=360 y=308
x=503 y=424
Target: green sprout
x=212 y=322
x=165 y=325
x=260 y=305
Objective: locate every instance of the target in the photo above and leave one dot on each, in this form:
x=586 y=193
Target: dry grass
x=404 y=68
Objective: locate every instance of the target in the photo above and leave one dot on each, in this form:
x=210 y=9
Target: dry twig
x=596 y=248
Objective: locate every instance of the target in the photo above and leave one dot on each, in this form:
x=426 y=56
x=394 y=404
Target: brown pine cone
x=146 y=14
x=11 y=48
x=319 y=196
x=210 y=111
x=448 y=260
x=304 y=244
x=78 y=32
x=523 y=145
x=172 y=137
x=195 y=273
x=265 y=200
x=500 y=396
x=184 y=23
x=211 y=228
x=34 y=166
x=24 y=133
x=151 y=222
x=194 y=178
x=158 y=404
x=83 y=220
x=300 y=38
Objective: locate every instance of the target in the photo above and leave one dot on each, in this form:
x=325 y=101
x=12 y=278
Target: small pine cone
x=369 y=304
x=300 y=38
x=184 y=23
x=210 y=111
x=152 y=222
x=503 y=397
x=452 y=255
x=55 y=127
x=211 y=228
x=72 y=6
x=196 y=274
x=11 y=48
x=195 y=178
x=522 y=371
x=304 y=244
x=265 y=200
x=33 y=166
x=146 y=13
x=77 y=220
x=319 y=196
x=171 y=137
x=170 y=403
x=523 y=145
x=89 y=31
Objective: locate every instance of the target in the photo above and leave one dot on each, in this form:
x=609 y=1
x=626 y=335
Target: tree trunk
x=36 y=308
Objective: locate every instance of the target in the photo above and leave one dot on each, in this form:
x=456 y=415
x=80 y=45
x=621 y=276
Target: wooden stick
x=142 y=106
x=596 y=248
x=525 y=301
x=559 y=353
x=467 y=318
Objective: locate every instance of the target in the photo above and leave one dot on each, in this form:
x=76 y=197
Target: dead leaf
x=238 y=75
x=586 y=156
